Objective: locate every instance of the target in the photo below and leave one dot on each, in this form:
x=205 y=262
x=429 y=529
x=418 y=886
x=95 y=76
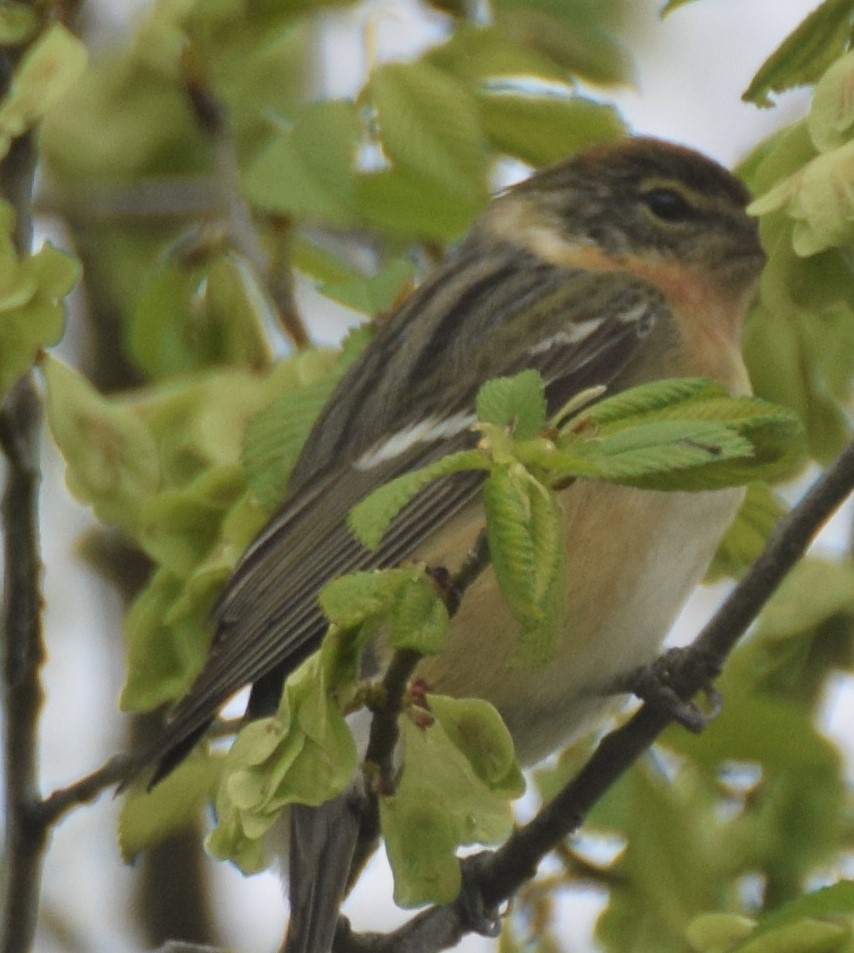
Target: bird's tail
x=322 y=843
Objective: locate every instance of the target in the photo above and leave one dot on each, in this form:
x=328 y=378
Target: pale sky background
x=691 y=71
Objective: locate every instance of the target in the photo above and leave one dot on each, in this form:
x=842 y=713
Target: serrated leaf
x=402 y=599
x=370 y=518
x=661 y=447
x=526 y=549
x=654 y=396
x=419 y=620
x=805 y=53
x=682 y=434
x=275 y=436
x=518 y=402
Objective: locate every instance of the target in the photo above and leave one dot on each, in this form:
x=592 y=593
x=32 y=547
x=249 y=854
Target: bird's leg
x=475 y=914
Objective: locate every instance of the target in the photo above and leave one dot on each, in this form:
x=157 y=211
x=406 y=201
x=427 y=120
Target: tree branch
x=20 y=427
x=499 y=875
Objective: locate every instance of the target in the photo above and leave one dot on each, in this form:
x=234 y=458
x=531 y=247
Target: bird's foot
x=476 y=915
x=654 y=684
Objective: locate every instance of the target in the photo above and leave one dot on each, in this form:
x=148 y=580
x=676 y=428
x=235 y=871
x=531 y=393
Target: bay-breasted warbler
x=627 y=263
x=630 y=262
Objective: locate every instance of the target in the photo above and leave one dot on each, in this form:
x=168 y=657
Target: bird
x=629 y=262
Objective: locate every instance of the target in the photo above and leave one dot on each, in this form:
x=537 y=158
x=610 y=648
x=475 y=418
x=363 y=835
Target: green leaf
x=429 y=124
x=717 y=932
x=304 y=754
x=32 y=311
x=651 y=397
x=163 y=653
x=440 y=803
x=661 y=454
x=403 y=600
x=111 y=455
x=832 y=111
x=480 y=52
x=18 y=22
x=526 y=549
x=174 y=806
x=518 y=402
x=779 y=350
x=190 y=318
x=298 y=389
x=475 y=728
x=374 y=295
x=834 y=903
x=370 y=518
x=680 y=434
x=543 y=129
x=802 y=936
x=179 y=526
x=572 y=33
x=819 y=199
x=805 y=53
x=45 y=74
x=402 y=201
x=309 y=169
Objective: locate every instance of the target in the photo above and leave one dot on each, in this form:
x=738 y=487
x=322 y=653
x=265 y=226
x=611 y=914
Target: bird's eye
x=667 y=204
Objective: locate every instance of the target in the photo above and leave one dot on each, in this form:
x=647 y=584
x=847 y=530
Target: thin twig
x=385 y=730
x=213 y=121
x=61 y=801
x=499 y=875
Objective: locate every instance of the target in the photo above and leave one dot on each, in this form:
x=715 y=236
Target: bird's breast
x=633 y=557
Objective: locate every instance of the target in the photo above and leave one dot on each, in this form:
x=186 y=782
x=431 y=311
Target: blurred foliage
x=198 y=170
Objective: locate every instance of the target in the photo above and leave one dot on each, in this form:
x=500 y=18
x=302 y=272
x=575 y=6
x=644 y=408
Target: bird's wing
x=589 y=328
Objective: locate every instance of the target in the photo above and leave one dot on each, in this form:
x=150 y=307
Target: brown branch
x=20 y=423
x=385 y=730
x=499 y=875
x=20 y=427
x=63 y=800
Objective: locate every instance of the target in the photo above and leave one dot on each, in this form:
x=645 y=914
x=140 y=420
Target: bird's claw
x=653 y=684
x=475 y=914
